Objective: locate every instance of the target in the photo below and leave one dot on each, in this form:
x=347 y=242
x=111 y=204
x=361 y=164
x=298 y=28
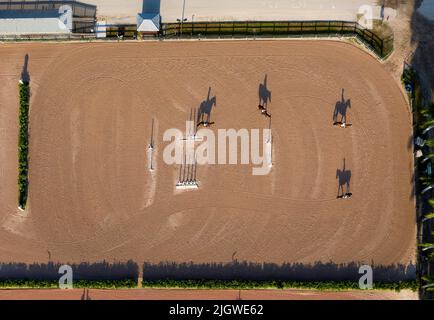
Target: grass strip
x=247 y=284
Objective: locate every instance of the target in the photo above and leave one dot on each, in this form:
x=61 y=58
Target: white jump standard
x=151 y=149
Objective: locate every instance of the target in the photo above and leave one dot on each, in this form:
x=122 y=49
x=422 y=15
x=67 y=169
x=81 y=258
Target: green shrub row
x=423 y=117
x=210 y=284
x=53 y=284
x=246 y=284
x=23 y=144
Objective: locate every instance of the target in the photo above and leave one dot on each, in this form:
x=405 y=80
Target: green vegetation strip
x=23 y=144
x=209 y=284
x=245 y=284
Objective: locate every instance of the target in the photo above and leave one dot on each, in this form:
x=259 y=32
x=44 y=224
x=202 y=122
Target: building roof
x=28 y=14
x=148 y=22
x=31 y=22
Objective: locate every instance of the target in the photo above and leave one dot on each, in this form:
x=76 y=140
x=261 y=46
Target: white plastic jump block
x=187 y=185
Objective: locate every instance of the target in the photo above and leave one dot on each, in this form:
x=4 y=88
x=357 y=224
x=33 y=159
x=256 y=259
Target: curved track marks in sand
x=91 y=122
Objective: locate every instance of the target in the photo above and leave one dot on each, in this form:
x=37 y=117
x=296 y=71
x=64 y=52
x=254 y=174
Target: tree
x=429 y=286
x=429 y=142
x=428 y=216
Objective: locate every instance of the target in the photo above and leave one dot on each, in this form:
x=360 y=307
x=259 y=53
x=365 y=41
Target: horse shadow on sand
x=344 y=179
x=341 y=109
x=264 y=94
x=205 y=108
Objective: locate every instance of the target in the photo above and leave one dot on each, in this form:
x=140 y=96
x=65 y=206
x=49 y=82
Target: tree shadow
x=205 y=108
x=151 y=6
x=234 y=270
x=317 y=271
x=25 y=76
x=83 y=271
x=341 y=109
x=344 y=179
x=264 y=93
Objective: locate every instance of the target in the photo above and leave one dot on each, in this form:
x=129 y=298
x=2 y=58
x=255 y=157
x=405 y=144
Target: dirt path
x=414 y=44
x=173 y=294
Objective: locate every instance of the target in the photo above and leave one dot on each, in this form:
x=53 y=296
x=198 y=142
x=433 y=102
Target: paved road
x=126 y=10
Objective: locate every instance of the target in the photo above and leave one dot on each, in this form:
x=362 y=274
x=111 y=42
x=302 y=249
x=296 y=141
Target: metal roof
x=148 y=22
x=28 y=14
x=31 y=22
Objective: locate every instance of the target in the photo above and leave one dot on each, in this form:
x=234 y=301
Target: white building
x=20 y=17
x=19 y=22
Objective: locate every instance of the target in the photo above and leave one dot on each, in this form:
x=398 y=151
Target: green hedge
x=209 y=284
x=49 y=284
x=245 y=284
x=23 y=144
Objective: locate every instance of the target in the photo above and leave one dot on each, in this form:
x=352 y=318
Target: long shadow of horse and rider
x=341 y=110
x=205 y=109
x=344 y=179
x=264 y=98
x=206 y=106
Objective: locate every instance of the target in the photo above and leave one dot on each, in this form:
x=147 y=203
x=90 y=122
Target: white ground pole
x=187 y=171
x=269 y=151
x=150 y=156
x=151 y=150
x=269 y=147
x=187 y=175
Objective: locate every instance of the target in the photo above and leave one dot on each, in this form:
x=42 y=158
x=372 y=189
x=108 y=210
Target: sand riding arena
x=95 y=108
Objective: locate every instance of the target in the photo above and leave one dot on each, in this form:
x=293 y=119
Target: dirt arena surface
x=176 y=294
x=91 y=194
